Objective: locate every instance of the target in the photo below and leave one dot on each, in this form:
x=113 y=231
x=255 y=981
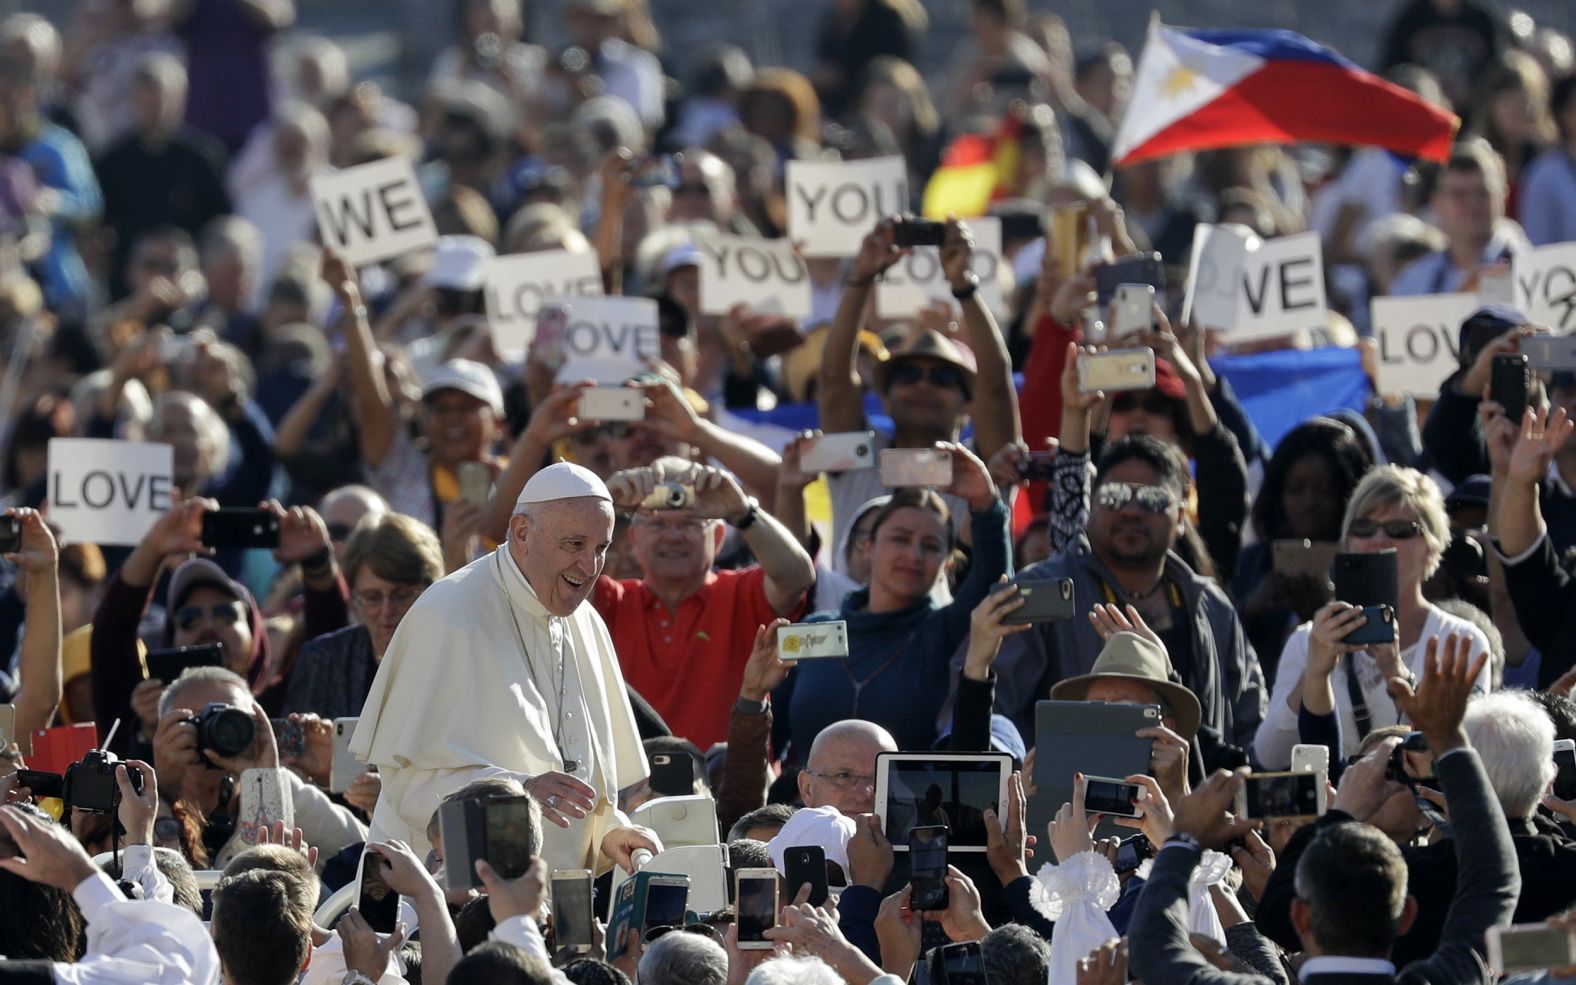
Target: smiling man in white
x=502 y=669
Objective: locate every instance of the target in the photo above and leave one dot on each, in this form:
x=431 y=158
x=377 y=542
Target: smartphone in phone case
x=547 y=346
x=927 y=874
x=1378 y=627
x=756 y=905
x=378 y=903
x=346 y=767
x=1310 y=758
x=1139 y=268
x=1509 y=382
x=1282 y=796
x=573 y=910
x=672 y=774
x=916 y=467
x=1367 y=579
x=475 y=482
x=240 y=527
x=611 y=403
x=1039 y=466
x=1529 y=947
x=842 y=452
x=168 y=664
x=1134 y=310
x=1117 y=370
x=289 y=737
x=806 y=865
x=813 y=640
x=1044 y=600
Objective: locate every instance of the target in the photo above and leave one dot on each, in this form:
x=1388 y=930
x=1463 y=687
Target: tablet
x=916 y=789
x=1095 y=738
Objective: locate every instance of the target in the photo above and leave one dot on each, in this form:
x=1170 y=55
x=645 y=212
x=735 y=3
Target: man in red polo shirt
x=684 y=632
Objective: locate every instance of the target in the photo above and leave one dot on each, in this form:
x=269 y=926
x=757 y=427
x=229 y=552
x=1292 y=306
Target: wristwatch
x=356 y=978
x=746 y=521
x=970 y=286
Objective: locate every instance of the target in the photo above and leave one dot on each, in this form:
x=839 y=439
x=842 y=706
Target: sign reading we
x=833 y=204
x=373 y=211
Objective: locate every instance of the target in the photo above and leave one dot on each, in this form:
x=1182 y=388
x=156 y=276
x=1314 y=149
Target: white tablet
x=916 y=789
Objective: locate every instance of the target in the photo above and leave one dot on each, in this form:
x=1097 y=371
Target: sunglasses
x=188 y=616
x=339 y=531
x=1151 y=499
x=943 y=376
x=1394 y=529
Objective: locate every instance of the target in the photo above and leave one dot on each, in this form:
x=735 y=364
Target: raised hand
x=878 y=251
x=137 y=811
x=987 y=629
x=765 y=669
x=38 y=554
x=1108 y=620
x=1542 y=436
x=49 y=854
x=1439 y=702
x=1007 y=846
x=1203 y=814
x=562 y=796
x=970 y=479
x=302 y=533
x=364 y=950
x=1070 y=829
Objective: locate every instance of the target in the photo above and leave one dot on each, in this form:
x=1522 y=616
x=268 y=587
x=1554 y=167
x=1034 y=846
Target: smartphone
x=913 y=231
x=1039 y=466
x=813 y=640
x=1108 y=795
x=806 y=864
x=41 y=783
x=547 y=347
x=166 y=665
x=1367 y=579
x=1378 y=626
x=506 y=835
x=1565 y=769
x=621 y=915
x=755 y=906
x=244 y=527
x=1304 y=558
x=1529 y=947
x=475 y=482
x=1281 y=796
x=1134 y=310
x=958 y=963
x=916 y=467
x=1140 y=268
x=1130 y=853
x=611 y=403
x=573 y=916
x=667 y=897
x=1044 y=600
x=1117 y=370
x=346 y=767
x=672 y=774
x=289 y=737
x=1508 y=384
x=843 y=452
x=659 y=171
x=1495 y=286
x=927 y=854
x=10 y=534
x=1310 y=758
x=378 y=903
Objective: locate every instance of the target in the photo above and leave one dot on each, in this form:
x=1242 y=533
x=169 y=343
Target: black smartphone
x=240 y=527
x=573 y=918
x=958 y=964
x=10 y=534
x=1130 y=853
x=1378 y=626
x=1140 y=268
x=1367 y=579
x=289 y=737
x=41 y=784
x=1021 y=225
x=1045 y=600
x=379 y=905
x=168 y=664
x=927 y=854
x=1509 y=382
x=1040 y=466
x=913 y=231
x=672 y=774
x=506 y=823
x=806 y=864
x=1108 y=795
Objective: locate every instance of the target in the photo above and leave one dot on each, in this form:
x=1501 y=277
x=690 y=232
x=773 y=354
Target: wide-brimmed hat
x=1128 y=656
x=928 y=344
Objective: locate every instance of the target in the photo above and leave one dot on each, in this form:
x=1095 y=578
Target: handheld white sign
x=108 y=492
x=833 y=204
x=1282 y=289
x=1214 y=271
x=517 y=283
x=373 y=211
x=1417 y=339
x=1546 y=285
x=608 y=339
x=917 y=279
x=765 y=274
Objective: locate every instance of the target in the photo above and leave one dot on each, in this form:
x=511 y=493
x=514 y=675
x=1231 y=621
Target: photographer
x=245 y=790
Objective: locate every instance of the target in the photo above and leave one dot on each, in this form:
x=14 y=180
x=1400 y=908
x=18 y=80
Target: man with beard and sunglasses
x=1126 y=559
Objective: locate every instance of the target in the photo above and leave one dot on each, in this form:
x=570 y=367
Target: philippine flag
x=1196 y=89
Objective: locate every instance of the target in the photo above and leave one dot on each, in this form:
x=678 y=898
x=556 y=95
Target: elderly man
x=683 y=631
x=841 y=770
x=500 y=669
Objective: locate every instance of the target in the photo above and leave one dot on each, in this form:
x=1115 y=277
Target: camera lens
x=225 y=730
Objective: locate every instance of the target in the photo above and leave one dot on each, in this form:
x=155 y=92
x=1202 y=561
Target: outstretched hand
x=1439 y=702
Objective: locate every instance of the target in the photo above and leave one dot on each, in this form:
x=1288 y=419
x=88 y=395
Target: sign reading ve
x=608 y=339
x=108 y=492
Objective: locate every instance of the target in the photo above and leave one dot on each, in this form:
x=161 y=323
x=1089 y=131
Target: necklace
x=570 y=765
x=859 y=685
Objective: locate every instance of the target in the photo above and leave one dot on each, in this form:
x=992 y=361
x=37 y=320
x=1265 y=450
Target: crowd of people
x=479 y=594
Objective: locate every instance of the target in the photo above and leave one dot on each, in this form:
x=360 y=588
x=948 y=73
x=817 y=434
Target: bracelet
x=746 y=521
x=318 y=563
x=969 y=289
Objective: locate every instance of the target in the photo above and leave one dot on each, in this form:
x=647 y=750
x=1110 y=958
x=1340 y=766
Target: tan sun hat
x=1128 y=656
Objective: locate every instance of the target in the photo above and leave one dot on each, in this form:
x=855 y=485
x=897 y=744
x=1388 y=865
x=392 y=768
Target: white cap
x=460 y=263
x=467 y=377
x=682 y=255
x=563 y=480
x=827 y=827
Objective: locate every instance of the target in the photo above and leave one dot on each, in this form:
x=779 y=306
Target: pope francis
x=504 y=668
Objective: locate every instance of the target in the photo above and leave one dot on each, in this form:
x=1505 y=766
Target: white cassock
x=455 y=700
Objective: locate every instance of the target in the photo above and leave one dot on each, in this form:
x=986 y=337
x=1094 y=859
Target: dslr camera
x=89 y=784
x=225 y=729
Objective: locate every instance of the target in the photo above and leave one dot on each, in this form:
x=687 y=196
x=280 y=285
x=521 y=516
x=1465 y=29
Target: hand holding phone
x=756 y=905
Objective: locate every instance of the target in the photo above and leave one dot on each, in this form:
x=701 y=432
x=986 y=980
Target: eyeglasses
x=844 y=779
x=910 y=373
x=1394 y=529
x=400 y=598
x=1151 y=499
x=188 y=616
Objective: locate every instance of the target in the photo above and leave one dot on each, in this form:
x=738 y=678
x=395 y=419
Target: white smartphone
x=813 y=640
x=1288 y=796
x=916 y=467
x=573 y=917
x=1134 y=310
x=1109 y=795
x=346 y=767
x=1529 y=947
x=755 y=907
x=611 y=403
x=1119 y=369
x=843 y=452
x=1306 y=758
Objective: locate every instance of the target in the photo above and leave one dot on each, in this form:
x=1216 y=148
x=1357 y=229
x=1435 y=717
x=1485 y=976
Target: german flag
x=976 y=170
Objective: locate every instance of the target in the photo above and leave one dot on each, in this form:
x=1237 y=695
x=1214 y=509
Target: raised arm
x=1518 y=523
x=39 y=559
x=377 y=417
x=788 y=569
x=837 y=395
x=995 y=411
x=670 y=415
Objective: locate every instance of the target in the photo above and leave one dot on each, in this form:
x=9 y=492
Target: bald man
x=841 y=771
x=345 y=507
